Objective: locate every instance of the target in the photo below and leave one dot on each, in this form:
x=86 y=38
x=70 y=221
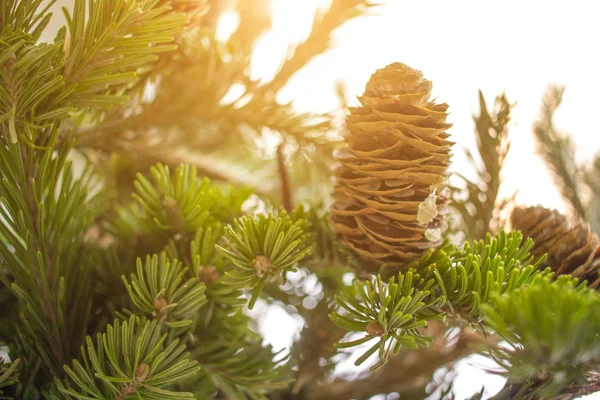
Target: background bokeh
x=511 y=46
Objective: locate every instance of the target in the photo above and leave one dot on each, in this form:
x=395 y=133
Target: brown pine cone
x=392 y=170
x=571 y=248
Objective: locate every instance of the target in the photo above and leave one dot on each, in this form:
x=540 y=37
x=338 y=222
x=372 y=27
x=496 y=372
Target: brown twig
x=285 y=179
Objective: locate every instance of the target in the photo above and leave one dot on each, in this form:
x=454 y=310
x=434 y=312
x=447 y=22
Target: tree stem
x=285 y=179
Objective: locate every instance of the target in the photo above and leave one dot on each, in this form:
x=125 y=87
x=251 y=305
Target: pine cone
x=392 y=170
x=572 y=248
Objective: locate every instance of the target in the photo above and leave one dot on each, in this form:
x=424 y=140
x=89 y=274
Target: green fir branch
x=29 y=17
x=178 y=204
x=112 y=43
x=242 y=371
x=263 y=248
x=443 y=282
x=551 y=334
x=161 y=288
x=132 y=358
x=393 y=313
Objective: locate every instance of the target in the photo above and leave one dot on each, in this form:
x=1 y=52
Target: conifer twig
x=557 y=150
x=286 y=188
x=493 y=144
x=319 y=40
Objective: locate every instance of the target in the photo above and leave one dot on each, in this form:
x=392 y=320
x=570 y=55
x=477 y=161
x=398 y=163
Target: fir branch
x=46 y=211
x=159 y=289
x=417 y=368
x=210 y=68
x=29 y=74
x=254 y=21
x=114 y=46
x=285 y=179
x=263 y=248
x=493 y=144
x=319 y=39
x=444 y=281
x=130 y=358
x=242 y=371
x=392 y=313
x=557 y=150
x=30 y=17
x=178 y=204
x=539 y=323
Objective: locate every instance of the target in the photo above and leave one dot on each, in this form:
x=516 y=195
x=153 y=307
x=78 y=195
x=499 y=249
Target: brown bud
x=160 y=303
x=375 y=329
x=208 y=274
x=142 y=372
x=261 y=265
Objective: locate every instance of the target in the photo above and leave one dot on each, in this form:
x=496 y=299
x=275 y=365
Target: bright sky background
x=515 y=46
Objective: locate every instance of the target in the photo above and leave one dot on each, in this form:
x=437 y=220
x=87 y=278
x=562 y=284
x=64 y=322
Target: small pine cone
x=392 y=170
x=571 y=248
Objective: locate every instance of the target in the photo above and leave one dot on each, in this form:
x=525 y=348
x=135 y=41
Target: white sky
x=515 y=46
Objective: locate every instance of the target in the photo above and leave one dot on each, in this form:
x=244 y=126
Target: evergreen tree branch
x=539 y=323
x=263 y=248
x=109 y=51
x=444 y=281
x=319 y=39
x=255 y=19
x=130 y=358
x=46 y=212
x=158 y=288
x=493 y=144
x=557 y=150
x=285 y=179
x=30 y=17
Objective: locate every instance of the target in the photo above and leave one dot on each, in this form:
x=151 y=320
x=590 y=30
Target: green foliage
x=445 y=281
x=30 y=78
x=477 y=203
x=30 y=17
x=393 y=312
x=130 y=359
x=8 y=375
x=263 y=248
x=551 y=330
x=243 y=371
x=46 y=210
x=499 y=264
x=159 y=289
x=181 y=204
x=112 y=43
